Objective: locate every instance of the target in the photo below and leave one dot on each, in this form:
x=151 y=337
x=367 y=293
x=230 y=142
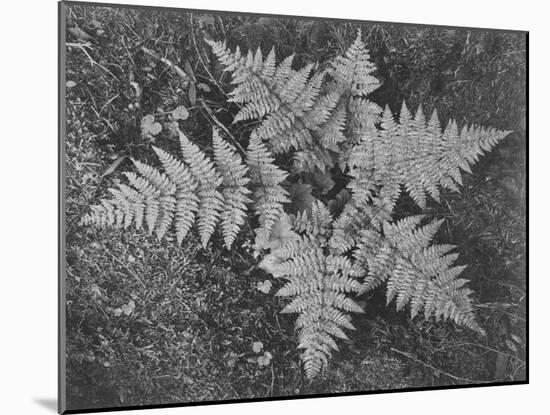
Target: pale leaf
x=257 y=347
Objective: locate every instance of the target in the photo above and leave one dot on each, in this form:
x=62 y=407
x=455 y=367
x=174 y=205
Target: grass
x=193 y=315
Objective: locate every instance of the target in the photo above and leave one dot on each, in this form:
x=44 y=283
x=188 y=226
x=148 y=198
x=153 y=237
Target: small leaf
x=300 y=195
x=264 y=286
x=173 y=128
x=128 y=308
x=231 y=359
x=148 y=119
x=203 y=87
x=265 y=360
x=192 y=94
x=511 y=345
x=516 y=339
x=95 y=291
x=281 y=233
x=149 y=127
x=155 y=128
x=269 y=265
x=114 y=165
x=95 y=24
x=79 y=33
x=137 y=88
x=180 y=113
x=257 y=347
x=323 y=181
x=70 y=84
x=189 y=70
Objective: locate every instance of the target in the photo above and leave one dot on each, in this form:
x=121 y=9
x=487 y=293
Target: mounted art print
x=258 y=206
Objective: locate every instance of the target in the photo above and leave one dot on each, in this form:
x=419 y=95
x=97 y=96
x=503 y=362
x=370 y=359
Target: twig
x=439 y=370
x=78 y=45
x=223 y=127
x=82 y=47
x=270 y=390
x=128 y=269
x=167 y=62
x=483 y=347
x=499 y=307
x=201 y=60
x=170 y=112
x=517 y=370
x=108 y=102
x=128 y=51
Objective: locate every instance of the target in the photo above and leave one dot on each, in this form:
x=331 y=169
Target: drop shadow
x=48 y=403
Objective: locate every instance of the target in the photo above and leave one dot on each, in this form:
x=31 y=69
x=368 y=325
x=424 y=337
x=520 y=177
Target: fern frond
x=189 y=190
x=151 y=198
x=364 y=115
x=234 y=183
x=318 y=283
x=331 y=134
x=355 y=217
x=288 y=101
x=187 y=202
x=353 y=72
x=211 y=202
x=313 y=158
x=268 y=196
x=417 y=155
x=415 y=273
x=317 y=224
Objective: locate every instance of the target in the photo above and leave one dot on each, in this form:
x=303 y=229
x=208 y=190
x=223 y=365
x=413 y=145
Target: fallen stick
x=167 y=62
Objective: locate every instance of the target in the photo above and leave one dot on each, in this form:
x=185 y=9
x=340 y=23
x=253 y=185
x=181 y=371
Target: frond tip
x=353 y=71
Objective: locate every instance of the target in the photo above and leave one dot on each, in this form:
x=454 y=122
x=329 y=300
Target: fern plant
x=328 y=242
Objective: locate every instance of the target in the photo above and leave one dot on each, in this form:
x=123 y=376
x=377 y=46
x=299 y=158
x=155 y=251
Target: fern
x=319 y=283
x=193 y=189
x=290 y=102
x=323 y=171
x=417 y=155
x=416 y=273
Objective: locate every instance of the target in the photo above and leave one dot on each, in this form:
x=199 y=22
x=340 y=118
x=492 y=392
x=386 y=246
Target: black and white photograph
x=259 y=207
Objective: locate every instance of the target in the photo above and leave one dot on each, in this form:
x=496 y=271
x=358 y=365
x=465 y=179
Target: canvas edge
x=286 y=16
x=62 y=402
x=62 y=378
